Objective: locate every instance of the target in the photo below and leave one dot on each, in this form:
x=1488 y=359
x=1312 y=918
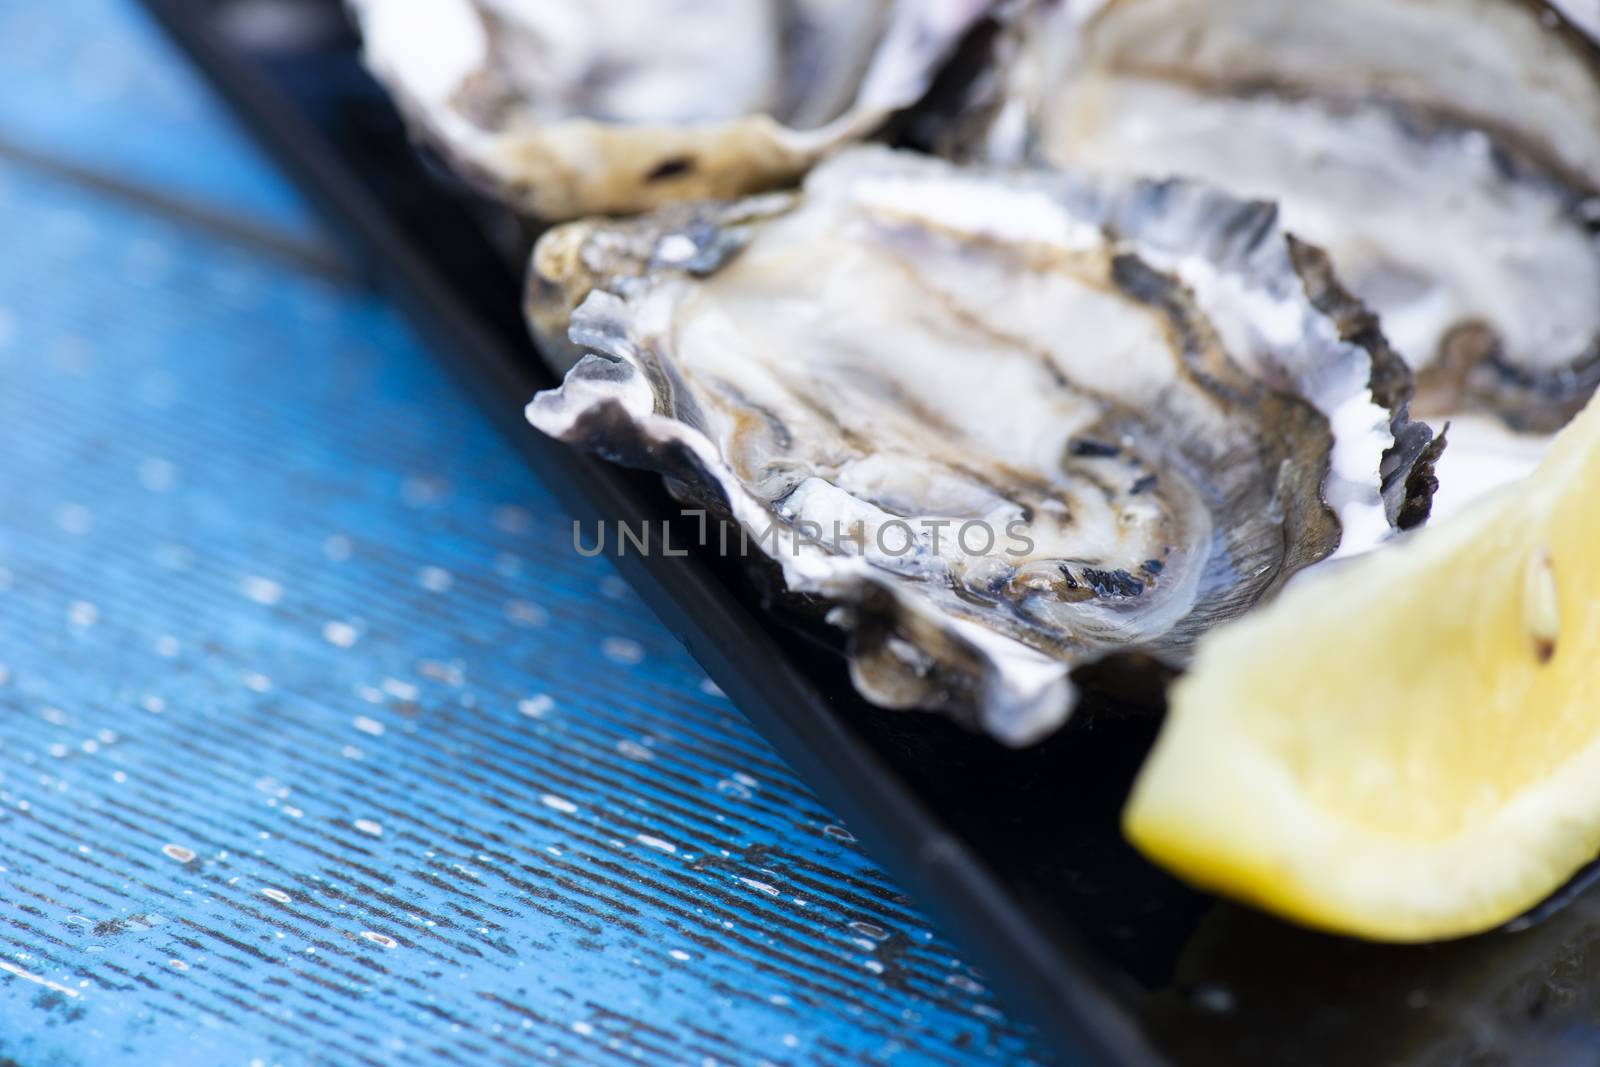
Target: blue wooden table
x=318 y=743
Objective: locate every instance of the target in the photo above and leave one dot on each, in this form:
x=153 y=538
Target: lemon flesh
x=1405 y=747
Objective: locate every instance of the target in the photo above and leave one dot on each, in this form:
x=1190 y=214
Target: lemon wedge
x=1405 y=747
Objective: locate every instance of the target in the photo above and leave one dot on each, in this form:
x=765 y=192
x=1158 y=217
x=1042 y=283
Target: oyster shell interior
x=567 y=107
x=1003 y=424
x=1445 y=153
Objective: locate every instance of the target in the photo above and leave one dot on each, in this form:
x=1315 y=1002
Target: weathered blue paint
x=318 y=743
x=92 y=83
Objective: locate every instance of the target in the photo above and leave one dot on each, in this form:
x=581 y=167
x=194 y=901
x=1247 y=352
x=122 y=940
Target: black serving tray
x=1017 y=853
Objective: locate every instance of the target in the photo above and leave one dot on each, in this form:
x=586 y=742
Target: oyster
x=1445 y=153
x=997 y=424
x=568 y=107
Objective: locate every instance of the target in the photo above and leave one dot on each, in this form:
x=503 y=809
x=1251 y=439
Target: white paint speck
x=368 y=726
x=82 y=613
x=340 y=634
x=536 y=706
x=761 y=887
x=54 y=716
x=656 y=843
x=401 y=690
x=448 y=673
x=167 y=646
x=337 y=548
x=380 y=939
x=28 y=976
x=680 y=955
x=561 y=804
x=178 y=852
x=369 y=826
x=965 y=984
x=276 y=894
x=526 y=613
x=262 y=590
x=435 y=579
x=623 y=650
x=635 y=751
x=256 y=682
x=581 y=1027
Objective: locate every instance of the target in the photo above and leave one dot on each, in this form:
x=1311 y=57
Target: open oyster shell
x=570 y=107
x=997 y=424
x=1445 y=153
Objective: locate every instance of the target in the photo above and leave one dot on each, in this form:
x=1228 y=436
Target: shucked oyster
x=1445 y=153
x=1004 y=424
x=569 y=107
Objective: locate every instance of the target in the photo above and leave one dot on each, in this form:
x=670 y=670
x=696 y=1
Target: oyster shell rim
x=997 y=124
x=549 y=171
x=1017 y=693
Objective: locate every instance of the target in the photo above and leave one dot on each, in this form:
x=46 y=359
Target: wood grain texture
x=320 y=744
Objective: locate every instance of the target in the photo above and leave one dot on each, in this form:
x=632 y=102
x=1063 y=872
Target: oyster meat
x=995 y=424
x=1445 y=153
x=570 y=107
